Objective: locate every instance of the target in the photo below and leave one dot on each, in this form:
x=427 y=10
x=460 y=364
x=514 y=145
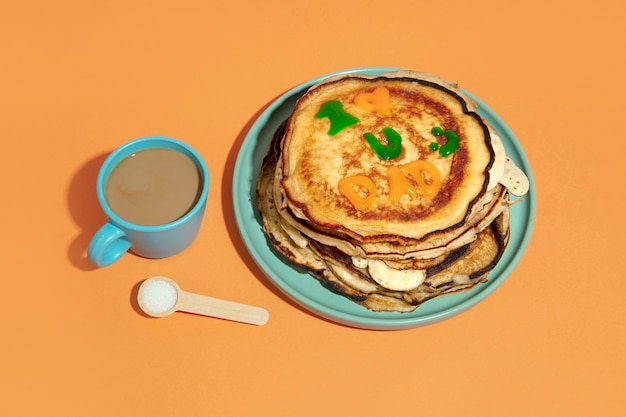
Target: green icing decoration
x=437 y=131
x=452 y=141
x=451 y=145
x=394 y=144
x=339 y=118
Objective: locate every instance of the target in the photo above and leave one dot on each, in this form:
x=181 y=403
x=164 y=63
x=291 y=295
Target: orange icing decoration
x=399 y=184
x=376 y=101
x=359 y=190
x=416 y=169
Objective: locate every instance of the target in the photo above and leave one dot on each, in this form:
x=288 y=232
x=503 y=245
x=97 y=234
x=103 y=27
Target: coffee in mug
x=154 y=192
x=153 y=186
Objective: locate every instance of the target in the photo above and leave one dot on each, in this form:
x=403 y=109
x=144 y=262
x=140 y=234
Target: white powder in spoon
x=158 y=296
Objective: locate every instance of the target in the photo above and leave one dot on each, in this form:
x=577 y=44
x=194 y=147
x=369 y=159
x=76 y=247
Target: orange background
x=78 y=79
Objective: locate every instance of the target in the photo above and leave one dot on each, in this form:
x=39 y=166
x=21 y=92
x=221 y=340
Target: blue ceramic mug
x=117 y=235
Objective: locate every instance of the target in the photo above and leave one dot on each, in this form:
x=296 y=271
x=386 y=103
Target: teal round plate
x=303 y=288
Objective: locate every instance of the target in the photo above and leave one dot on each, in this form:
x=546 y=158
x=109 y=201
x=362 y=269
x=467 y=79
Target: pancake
x=391 y=190
x=315 y=159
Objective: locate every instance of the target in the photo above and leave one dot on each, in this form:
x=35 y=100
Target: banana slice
x=395 y=279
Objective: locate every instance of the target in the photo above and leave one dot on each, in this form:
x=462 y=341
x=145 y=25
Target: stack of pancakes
x=389 y=189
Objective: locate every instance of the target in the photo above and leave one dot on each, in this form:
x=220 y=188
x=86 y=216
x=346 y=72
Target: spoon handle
x=223 y=309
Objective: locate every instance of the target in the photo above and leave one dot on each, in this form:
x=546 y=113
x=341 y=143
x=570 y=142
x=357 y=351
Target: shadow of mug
x=85 y=210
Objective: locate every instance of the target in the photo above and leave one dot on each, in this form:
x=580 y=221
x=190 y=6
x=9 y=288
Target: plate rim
x=382 y=320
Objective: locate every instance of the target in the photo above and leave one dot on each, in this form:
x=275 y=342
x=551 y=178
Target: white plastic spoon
x=161 y=296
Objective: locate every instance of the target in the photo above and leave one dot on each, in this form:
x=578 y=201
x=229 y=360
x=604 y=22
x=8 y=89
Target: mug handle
x=108 y=245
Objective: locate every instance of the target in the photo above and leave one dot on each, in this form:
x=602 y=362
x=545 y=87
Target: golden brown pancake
x=391 y=190
x=314 y=162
